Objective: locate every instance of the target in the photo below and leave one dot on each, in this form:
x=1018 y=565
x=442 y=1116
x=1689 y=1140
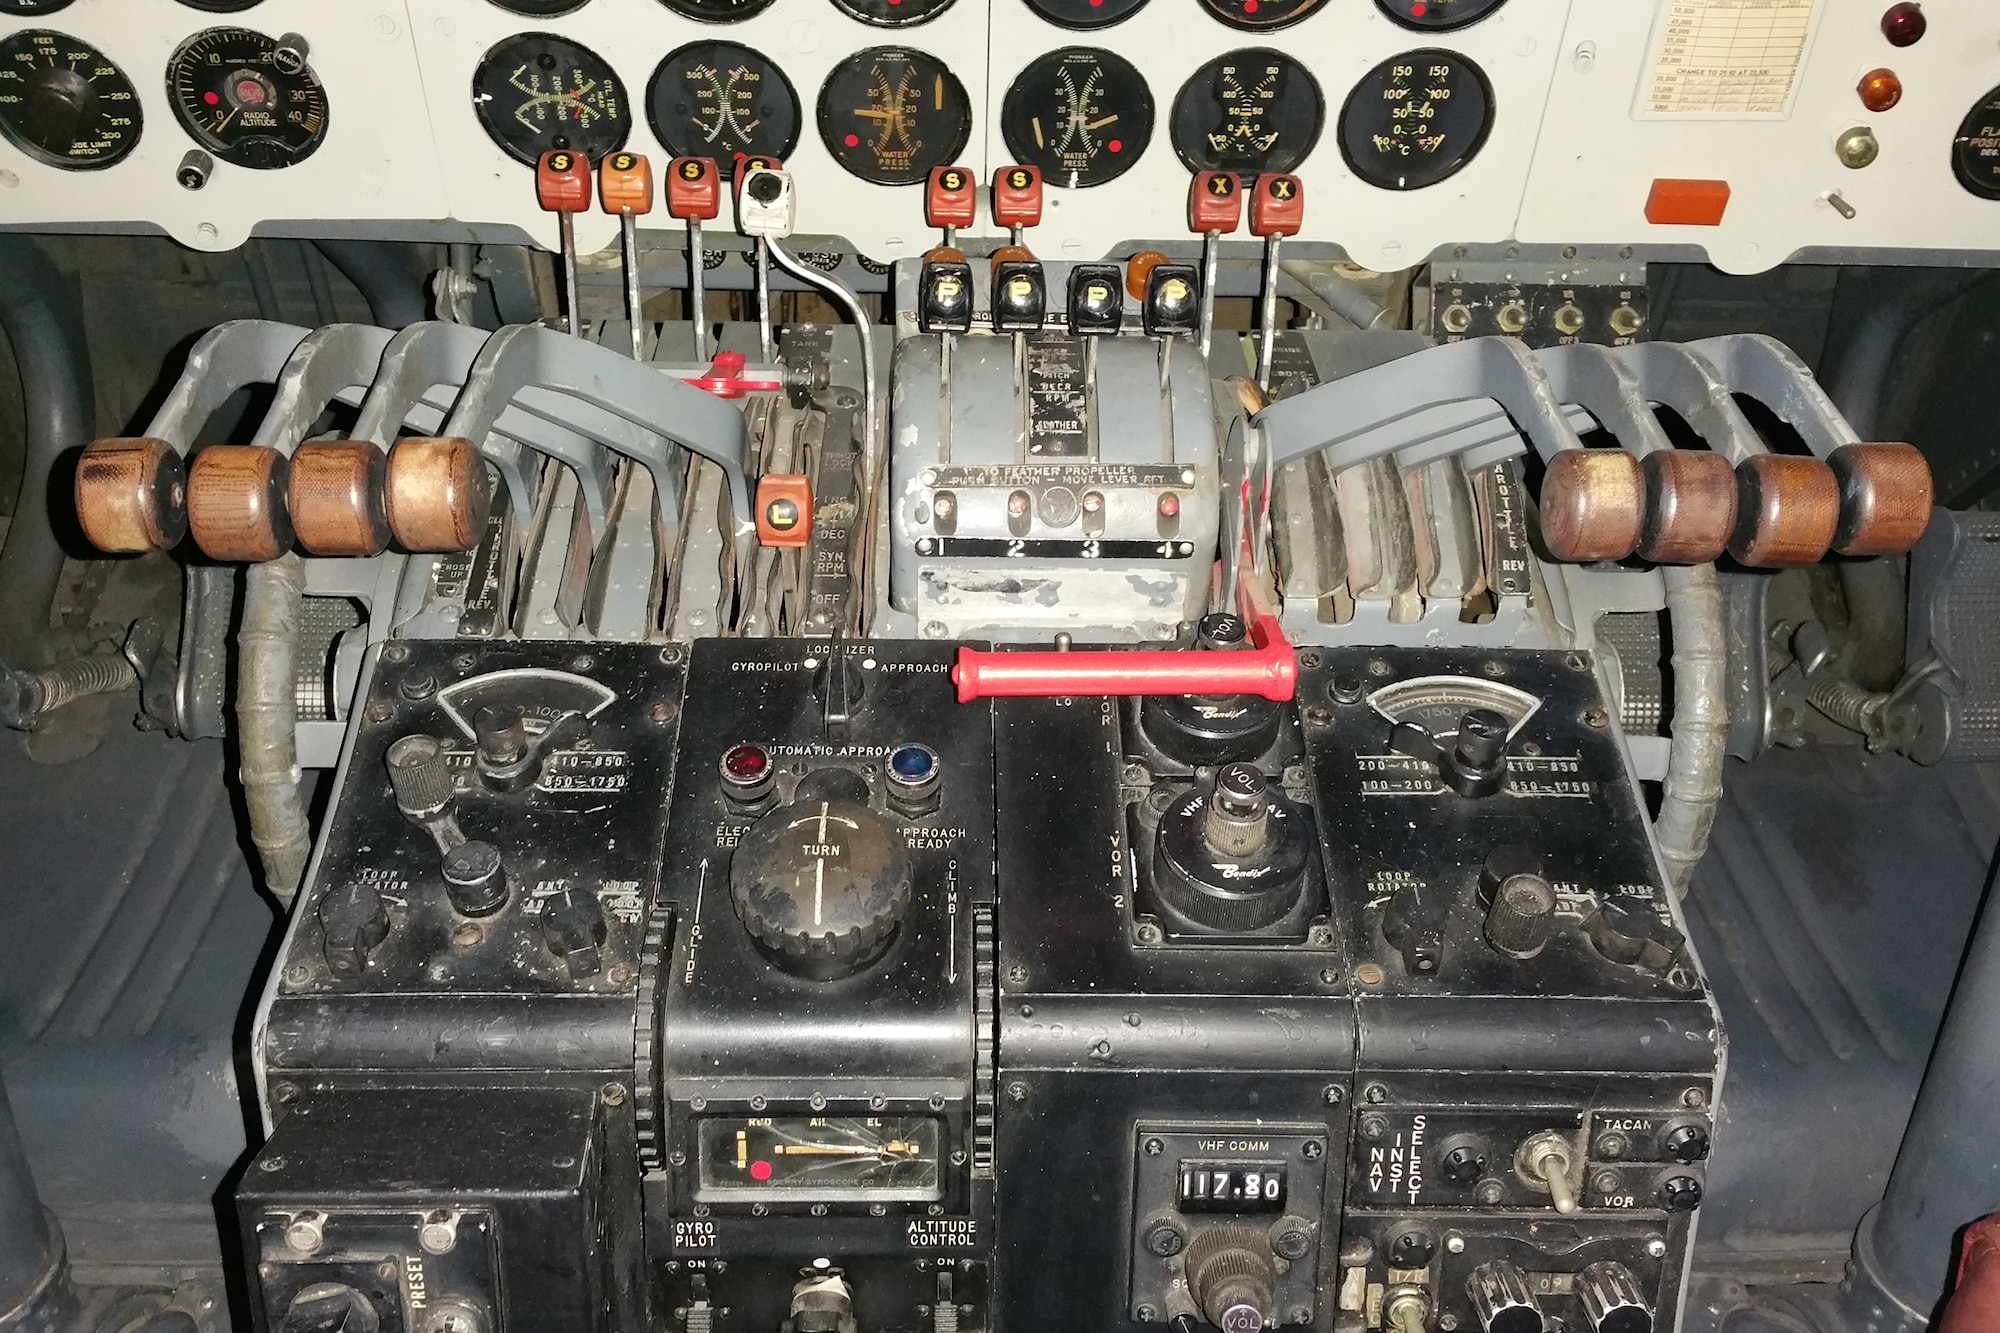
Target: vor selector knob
x=1502 y=1299
x=822 y=886
x=1231 y=859
x=1613 y=1299
x=1231 y=1275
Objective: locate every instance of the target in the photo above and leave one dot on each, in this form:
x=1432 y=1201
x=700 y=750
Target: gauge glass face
x=1084 y=15
x=717 y=11
x=1975 y=149
x=1260 y=15
x=1082 y=115
x=31 y=8
x=890 y=114
x=1416 y=119
x=63 y=103
x=820 y=1159
x=893 y=13
x=222 y=6
x=1438 y=15
x=229 y=93
x=718 y=99
x=541 y=9
x=1248 y=112
x=537 y=91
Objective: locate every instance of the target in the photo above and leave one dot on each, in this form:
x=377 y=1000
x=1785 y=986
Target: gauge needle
x=223 y=124
x=897 y=1148
x=1100 y=124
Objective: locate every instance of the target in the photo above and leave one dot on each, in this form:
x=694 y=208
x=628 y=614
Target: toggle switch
x=1544 y=1161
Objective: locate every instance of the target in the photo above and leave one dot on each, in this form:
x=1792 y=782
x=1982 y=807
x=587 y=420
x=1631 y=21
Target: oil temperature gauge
x=820 y=1159
x=536 y=91
x=1248 y=112
x=1416 y=119
x=718 y=99
x=231 y=92
x=64 y=103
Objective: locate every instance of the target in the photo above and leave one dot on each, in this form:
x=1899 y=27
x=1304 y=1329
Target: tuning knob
x=1502 y=1299
x=353 y=922
x=1613 y=1299
x=1521 y=917
x=420 y=775
x=573 y=925
x=1231 y=1274
x=1233 y=859
x=822 y=886
x=1201 y=730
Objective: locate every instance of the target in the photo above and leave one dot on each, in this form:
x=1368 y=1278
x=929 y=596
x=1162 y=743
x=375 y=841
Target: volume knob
x=1232 y=1276
x=1502 y=1299
x=1613 y=1299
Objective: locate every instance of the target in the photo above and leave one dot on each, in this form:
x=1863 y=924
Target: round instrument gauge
x=22 y=9
x=1260 y=15
x=222 y=6
x=893 y=13
x=1437 y=15
x=717 y=11
x=1416 y=119
x=890 y=114
x=1083 y=15
x=536 y=91
x=1248 y=112
x=541 y=9
x=64 y=103
x=230 y=94
x=1975 y=149
x=718 y=99
x=1082 y=115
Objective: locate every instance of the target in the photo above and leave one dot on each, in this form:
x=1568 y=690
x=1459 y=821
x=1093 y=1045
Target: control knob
x=1231 y=859
x=59 y=100
x=1200 y=730
x=822 y=884
x=1613 y=1299
x=1232 y=1275
x=353 y=922
x=1502 y=1299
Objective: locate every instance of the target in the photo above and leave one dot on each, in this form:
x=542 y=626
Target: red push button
x=1017 y=196
x=1277 y=206
x=952 y=198
x=1687 y=203
x=1215 y=203
x=562 y=181
x=693 y=194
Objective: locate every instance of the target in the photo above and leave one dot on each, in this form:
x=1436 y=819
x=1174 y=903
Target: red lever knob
x=694 y=190
x=1277 y=206
x=1017 y=196
x=951 y=198
x=562 y=181
x=1215 y=202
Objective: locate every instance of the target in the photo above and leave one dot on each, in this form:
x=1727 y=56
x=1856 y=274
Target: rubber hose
x=1693 y=786
x=45 y=330
x=380 y=270
x=267 y=715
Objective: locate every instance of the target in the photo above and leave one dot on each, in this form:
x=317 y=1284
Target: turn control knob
x=1231 y=1274
x=1502 y=1299
x=1231 y=859
x=1613 y=1299
x=822 y=886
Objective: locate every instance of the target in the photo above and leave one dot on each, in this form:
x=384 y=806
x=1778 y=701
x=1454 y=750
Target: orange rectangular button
x=693 y=194
x=625 y=183
x=1215 y=203
x=562 y=181
x=1277 y=205
x=951 y=199
x=784 y=509
x=1017 y=196
x=1684 y=203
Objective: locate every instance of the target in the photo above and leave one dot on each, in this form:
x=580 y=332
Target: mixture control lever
x=562 y=187
x=1215 y=209
x=694 y=196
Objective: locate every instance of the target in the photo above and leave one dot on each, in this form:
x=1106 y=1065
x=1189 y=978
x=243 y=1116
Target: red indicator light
x=746 y=763
x=1170 y=506
x=1905 y=24
x=213 y=99
x=762 y=1170
x=1249 y=6
x=853 y=141
x=1419 y=9
x=1116 y=145
x=1880 y=89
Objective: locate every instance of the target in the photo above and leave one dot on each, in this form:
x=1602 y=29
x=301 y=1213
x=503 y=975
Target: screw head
x=1017 y=1092
x=439 y=1234
x=1490 y=1192
x=1612 y=1144
x=1312 y=1150
x=1857 y=147
x=1374 y=1127
x=1332 y=1094
x=1369 y=974
x=1605 y=1182
x=305 y=1233
x=1657 y=1248
x=1154 y=1147
x=298 y=974
x=613 y=1094
x=1145 y=1314
x=1375 y=1094
x=1454 y=1243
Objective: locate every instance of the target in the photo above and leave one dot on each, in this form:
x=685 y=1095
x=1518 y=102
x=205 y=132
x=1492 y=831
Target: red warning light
x=760 y=1170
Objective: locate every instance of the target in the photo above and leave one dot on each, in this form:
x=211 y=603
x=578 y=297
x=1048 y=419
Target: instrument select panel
x=1852 y=125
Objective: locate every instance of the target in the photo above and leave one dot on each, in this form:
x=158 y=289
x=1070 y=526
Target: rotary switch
x=822 y=885
x=1502 y=1299
x=1613 y=1299
x=1232 y=1275
x=1231 y=859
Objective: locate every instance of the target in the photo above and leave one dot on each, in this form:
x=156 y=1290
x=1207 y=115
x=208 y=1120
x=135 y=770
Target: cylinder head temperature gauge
x=64 y=103
x=231 y=94
x=536 y=91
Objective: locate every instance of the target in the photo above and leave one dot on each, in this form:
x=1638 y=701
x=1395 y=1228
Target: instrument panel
x=1414 y=124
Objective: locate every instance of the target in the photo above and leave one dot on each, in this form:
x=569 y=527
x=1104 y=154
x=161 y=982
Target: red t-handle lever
x=1268 y=669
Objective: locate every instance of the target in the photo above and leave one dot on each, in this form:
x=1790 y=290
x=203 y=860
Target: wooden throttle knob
x=1593 y=503
x=1885 y=498
x=437 y=494
x=1787 y=508
x=131 y=495
x=336 y=497
x=236 y=502
x=1690 y=506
